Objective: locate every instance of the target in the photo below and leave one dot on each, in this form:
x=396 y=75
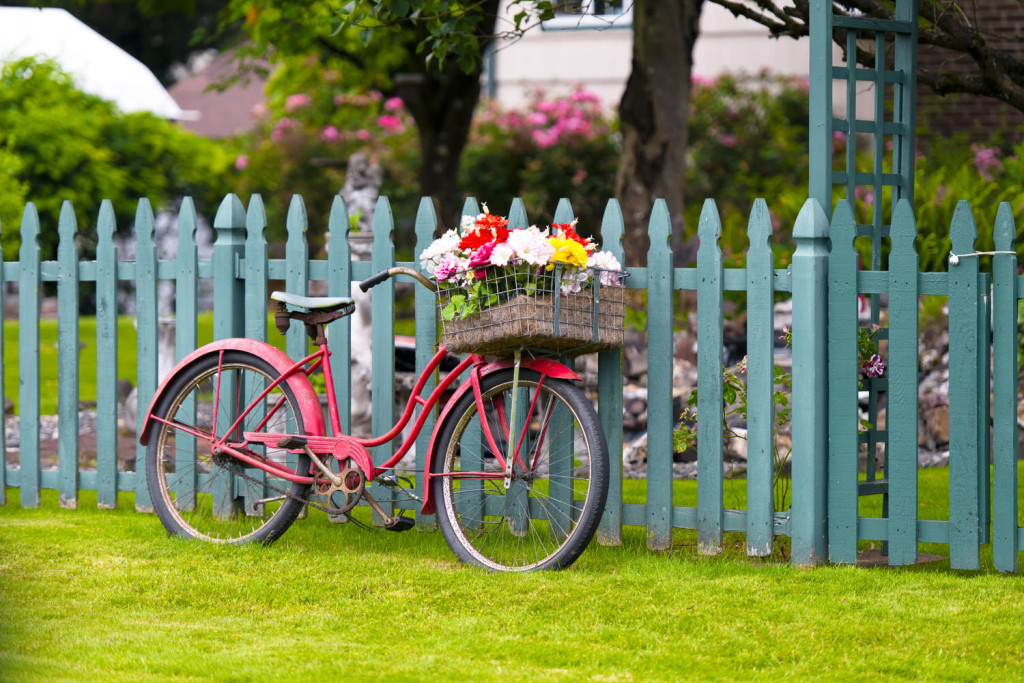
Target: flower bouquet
x=501 y=289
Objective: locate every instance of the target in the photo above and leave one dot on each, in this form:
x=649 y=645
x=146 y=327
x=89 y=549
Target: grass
x=107 y=595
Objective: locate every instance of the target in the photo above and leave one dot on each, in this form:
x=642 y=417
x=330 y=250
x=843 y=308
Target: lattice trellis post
x=887 y=53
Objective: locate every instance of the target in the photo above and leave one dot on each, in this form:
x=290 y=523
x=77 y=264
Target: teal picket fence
x=822 y=520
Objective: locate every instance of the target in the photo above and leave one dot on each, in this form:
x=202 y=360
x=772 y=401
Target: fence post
x=67 y=355
x=146 y=347
x=106 y=359
x=810 y=386
x=964 y=534
x=228 y=290
x=902 y=403
x=609 y=393
x=382 y=333
x=760 y=383
x=710 y=411
x=28 y=358
x=3 y=373
x=426 y=335
x=659 y=394
x=1004 y=394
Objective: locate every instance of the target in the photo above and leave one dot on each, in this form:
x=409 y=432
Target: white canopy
x=98 y=66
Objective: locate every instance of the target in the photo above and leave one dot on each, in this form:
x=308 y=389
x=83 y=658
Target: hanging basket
x=533 y=312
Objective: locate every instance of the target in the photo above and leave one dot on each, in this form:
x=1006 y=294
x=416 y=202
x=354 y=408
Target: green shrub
x=58 y=143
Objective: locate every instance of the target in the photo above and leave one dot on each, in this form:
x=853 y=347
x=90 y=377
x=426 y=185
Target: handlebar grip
x=374 y=280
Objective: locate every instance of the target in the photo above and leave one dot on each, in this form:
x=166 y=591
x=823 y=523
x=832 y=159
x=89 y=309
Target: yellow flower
x=569 y=251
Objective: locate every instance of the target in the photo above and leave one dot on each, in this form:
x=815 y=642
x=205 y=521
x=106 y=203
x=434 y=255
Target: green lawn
x=106 y=595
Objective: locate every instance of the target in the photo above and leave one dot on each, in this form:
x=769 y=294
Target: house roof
x=97 y=65
x=219 y=114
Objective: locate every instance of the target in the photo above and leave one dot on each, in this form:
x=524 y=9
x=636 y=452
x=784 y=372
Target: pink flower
x=582 y=95
x=727 y=140
x=339 y=100
x=481 y=258
x=874 y=367
x=537 y=119
x=702 y=81
x=293 y=102
x=546 y=106
x=282 y=126
x=242 y=161
x=363 y=134
x=330 y=134
x=865 y=194
x=545 y=138
x=258 y=110
x=986 y=159
x=391 y=124
x=393 y=104
x=447 y=267
x=376 y=95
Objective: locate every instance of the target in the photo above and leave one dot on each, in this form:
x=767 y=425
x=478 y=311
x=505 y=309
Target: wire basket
x=567 y=310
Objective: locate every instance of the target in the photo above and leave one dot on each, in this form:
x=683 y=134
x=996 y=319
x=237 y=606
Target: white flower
x=605 y=261
x=531 y=246
x=502 y=254
x=573 y=280
x=442 y=246
x=468 y=223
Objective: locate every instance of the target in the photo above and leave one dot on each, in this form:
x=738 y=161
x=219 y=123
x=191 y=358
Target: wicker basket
x=571 y=324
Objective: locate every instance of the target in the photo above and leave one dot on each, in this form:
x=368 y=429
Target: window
x=590 y=14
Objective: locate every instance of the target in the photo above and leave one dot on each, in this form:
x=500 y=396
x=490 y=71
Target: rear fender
x=305 y=395
x=545 y=366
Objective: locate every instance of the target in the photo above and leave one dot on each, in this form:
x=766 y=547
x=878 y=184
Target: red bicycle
x=517 y=468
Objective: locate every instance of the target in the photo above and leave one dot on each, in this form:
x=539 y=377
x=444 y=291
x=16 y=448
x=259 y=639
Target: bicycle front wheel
x=550 y=510
x=214 y=497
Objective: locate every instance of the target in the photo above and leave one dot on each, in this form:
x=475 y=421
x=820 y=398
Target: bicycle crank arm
x=390 y=523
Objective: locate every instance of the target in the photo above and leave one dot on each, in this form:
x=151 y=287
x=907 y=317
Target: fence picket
x=1004 y=393
x=339 y=332
x=106 y=359
x=710 y=508
x=28 y=358
x=383 y=332
x=609 y=393
x=256 y=294
x=901 y=400
x=472 y=455
x=426 y=336
x=297 y=271
x=517 y=214
x=760 y=383
x=810 y=387
x=842 y=406
x=964 y=535
x=67 y=356
x=659 y=391
x=146 y=305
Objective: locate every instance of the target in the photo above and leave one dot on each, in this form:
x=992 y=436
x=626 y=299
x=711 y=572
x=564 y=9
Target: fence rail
x=823 y=521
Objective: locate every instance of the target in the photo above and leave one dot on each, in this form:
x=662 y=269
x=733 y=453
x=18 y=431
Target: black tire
x=226 y=507
x=529 y=526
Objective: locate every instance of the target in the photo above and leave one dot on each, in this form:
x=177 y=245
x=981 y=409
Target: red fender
x=309 y=403
x=545 y=366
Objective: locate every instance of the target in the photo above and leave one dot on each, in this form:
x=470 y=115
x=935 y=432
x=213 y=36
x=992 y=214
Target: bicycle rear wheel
x=216 y=498
x=550 y=511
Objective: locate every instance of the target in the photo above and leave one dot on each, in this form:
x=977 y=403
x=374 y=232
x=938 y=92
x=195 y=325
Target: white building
x=592 y=47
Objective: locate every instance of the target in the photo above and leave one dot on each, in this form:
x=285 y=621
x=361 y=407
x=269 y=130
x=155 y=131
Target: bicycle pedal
x=401 y=524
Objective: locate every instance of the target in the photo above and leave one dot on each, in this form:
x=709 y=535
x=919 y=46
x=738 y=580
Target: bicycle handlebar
x=383 y=275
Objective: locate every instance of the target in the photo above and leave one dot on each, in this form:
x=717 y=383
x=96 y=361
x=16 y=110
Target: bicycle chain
x=287 y=494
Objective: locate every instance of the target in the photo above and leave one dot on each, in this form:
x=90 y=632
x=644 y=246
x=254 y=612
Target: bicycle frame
x=342 y=447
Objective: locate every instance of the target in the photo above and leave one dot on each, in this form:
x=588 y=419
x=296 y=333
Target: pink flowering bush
x=483 y=263
x=553 y=147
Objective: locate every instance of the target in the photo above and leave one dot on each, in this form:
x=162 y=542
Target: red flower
x=490 y=221
x=566 y=231
x=476 y=239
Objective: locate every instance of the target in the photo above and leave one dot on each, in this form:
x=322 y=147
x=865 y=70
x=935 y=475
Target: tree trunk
x=442 y=105
x=654 y=115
